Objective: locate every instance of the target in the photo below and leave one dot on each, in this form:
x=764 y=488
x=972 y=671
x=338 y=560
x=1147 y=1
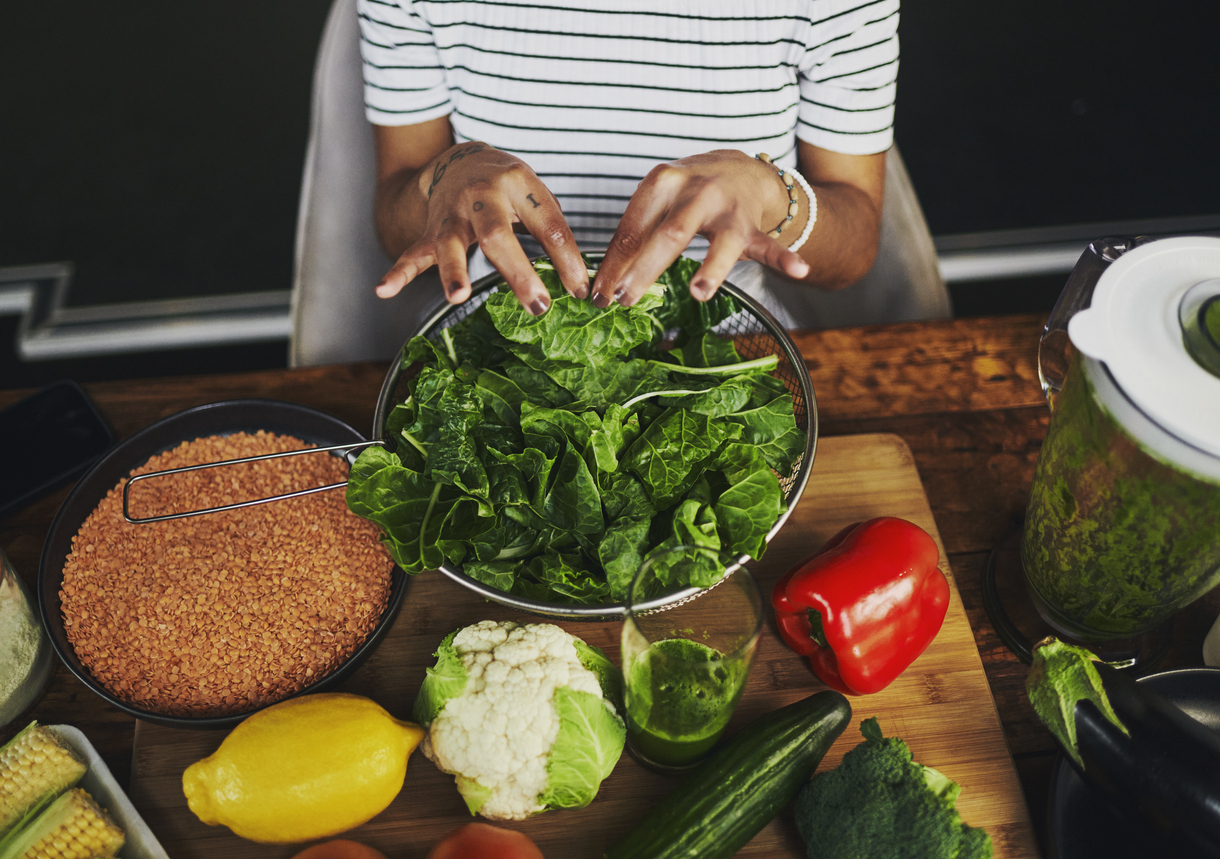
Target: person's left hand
x=726 y=196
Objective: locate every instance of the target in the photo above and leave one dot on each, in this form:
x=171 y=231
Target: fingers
x=647 y=206
x=451 y=268
x=702 y=206
x=492 y=222
x=768 y=251
x=541 y=216
x=477 y=195
x=722 y=254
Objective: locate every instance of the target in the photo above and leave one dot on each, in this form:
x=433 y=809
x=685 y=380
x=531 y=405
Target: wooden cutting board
x=942 y=705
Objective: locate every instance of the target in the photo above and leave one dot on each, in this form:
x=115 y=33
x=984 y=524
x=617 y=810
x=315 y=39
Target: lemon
x=305 y=768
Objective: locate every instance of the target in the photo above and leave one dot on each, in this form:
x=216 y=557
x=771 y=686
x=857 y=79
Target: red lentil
x=221 y=613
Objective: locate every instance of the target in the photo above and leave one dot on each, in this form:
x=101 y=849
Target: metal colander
x=756 y=334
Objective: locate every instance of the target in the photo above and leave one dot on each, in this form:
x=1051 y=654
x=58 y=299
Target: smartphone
x=46 y=440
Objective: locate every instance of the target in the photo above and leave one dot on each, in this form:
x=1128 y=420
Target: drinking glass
x=685 y=665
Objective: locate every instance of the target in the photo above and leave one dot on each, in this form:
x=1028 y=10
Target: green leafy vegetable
x=1061 y=676
x=589 y=744
x=551 y=455
x=447 y=679
x=881 y=803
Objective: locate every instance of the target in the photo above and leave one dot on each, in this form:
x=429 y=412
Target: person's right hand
x=475 y=193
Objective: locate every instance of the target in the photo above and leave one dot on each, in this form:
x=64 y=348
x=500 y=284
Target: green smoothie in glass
x=685 y=665
x=681 y=695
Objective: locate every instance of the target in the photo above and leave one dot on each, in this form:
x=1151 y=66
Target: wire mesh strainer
x=756 y=334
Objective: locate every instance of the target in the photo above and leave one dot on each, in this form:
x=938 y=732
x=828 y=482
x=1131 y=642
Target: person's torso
x=593 y=95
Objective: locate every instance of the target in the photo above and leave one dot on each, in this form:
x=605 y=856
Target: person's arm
x=734 y=200
x=843 y=244
x=435 y=200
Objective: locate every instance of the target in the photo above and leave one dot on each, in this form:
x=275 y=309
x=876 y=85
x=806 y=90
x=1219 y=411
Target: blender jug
x=1123 y=524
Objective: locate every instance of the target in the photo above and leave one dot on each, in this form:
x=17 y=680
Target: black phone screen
x=47 y=439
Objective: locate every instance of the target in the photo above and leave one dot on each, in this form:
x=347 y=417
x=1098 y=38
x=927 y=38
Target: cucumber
x=742 y=786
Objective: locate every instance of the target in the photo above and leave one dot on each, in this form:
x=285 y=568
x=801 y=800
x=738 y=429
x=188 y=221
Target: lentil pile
x=221 y=613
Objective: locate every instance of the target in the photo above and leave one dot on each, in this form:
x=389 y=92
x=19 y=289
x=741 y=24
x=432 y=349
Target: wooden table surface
x=963 y=394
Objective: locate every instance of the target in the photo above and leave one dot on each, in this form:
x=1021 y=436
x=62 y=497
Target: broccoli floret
x=881 y=804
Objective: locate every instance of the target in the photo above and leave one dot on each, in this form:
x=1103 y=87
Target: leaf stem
x=767 y=362
x=448 y=338
x=680 y=392
x=414 y=443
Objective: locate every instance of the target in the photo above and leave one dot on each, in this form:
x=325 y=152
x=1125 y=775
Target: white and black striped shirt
x=594 y=93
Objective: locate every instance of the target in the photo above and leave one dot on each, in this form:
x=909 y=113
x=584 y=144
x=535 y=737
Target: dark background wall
x=1050 y=112
x=158 y=146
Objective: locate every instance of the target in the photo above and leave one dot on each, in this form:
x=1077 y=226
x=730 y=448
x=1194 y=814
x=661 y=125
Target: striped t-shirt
x=592 y=95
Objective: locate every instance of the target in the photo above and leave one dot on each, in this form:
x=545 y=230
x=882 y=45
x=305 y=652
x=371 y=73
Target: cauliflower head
x=522 y=716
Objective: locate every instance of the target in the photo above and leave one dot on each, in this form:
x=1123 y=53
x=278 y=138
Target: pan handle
x=358 y=445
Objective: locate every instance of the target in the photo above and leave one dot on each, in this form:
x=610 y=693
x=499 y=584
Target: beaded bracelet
x=792 y=202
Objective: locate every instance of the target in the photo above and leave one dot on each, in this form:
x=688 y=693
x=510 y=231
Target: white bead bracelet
x=792 y=202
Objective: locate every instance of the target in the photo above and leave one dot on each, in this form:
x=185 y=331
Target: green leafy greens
x=549 y=456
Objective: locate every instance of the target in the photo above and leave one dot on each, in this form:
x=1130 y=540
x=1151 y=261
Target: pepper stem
x=816 y=632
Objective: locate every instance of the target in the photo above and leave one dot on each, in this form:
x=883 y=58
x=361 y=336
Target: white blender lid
x=1133 y=326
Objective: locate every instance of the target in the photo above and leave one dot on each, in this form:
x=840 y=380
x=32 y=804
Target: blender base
x=1016 y=619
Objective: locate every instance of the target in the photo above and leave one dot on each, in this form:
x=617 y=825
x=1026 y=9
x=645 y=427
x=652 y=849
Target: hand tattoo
x=467 y=150
x=530 y=197
x=439 y=171
x=478 y=205
x=436 y=176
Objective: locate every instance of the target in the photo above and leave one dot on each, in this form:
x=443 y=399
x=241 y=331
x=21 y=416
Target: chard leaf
x=766 y=389
x=453 y=455
x=772 y=429
x=501 y=575
x=748 y=509
x=433 y=353
x=719 y=400
x=573 y=329
x=538 y=387
x=621 y=551
x=501 y=397
x=413 y=511
x=572 y=502
x=694 y=526
x=681 y=310
x=666 y=455
x=709 y=350
x=674 y=571
x=597 y=384
x=565 y=577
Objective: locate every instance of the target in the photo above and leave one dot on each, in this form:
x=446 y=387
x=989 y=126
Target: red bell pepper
x=865 y=605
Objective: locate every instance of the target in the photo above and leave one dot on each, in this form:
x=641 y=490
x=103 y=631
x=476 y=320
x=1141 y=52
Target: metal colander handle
x=136 y=520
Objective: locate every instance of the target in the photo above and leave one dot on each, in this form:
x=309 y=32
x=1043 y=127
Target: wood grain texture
x=962 y=393
x=942 y=705
x=919 y=367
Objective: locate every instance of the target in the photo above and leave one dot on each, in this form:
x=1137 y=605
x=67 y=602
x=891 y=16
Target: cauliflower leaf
x=444 y=680
x=589 y=744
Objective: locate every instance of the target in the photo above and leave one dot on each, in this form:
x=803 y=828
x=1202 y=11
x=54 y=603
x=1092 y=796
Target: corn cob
x=72 y=827
x=35 y=767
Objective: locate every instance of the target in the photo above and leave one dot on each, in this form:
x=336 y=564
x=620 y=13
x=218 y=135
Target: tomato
x=339 y=850
x=480 y=841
